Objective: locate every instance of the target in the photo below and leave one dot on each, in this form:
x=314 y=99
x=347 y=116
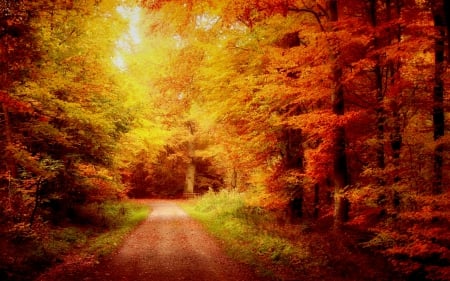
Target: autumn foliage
x=331 y=112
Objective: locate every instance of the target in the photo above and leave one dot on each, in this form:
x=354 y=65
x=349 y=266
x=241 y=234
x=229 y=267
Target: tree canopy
x=321 y=108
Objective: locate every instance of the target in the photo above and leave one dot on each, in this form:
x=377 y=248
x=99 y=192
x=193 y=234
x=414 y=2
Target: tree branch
x=304 y=10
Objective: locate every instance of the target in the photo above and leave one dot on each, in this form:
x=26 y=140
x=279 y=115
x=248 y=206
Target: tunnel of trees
x=334 y=111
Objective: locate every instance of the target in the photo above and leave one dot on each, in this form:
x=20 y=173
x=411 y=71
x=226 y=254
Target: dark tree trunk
x=447 y=21
x=10 y=162
x=392 y=72
x=341 y=210
x=341 y=179
x=340 y=172
x=380 y=111
x=441 y=24
x=396 y=135
x=437 y=167
x=372 y=6
x=396 y=140
x=332 y=6
x=296 y=205
x=37 y=201
x=381 y=117
x=316 y=200
x=294 y=153
x=388 y=9
x=293 y=158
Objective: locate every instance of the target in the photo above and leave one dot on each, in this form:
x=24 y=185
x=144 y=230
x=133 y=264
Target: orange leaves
x=14 y=104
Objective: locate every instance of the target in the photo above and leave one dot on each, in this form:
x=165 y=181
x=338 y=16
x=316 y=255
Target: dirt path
x=167 y=246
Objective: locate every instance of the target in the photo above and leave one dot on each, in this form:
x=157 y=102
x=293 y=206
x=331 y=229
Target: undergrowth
x=27 y=251
x=304 y=250
x=125 y=217
x=246 y=233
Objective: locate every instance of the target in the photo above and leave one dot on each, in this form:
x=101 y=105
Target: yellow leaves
x=92 y=171
x=145 y=136
x=111 y=5
x=205 y=119
x=38 y=165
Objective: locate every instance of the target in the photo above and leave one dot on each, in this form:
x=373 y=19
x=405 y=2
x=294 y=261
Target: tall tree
x=340 y=172
x=440 y=18
x=379 y=85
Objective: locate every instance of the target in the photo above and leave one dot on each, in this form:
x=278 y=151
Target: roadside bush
x=108 y=215
x=120 y=219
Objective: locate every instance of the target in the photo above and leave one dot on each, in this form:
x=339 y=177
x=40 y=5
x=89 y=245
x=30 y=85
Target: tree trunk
x=293 y=157
x=396 y=140
x=447 y=20
x=396 y=136
x=296 y=205
x=341 y=179
x=332 y=7
x=10 y=162
x=437 y=169
x=316 y=200
x=340 y=172
x=234 y=178
x=293 y=154
x=380 y=111
x=438 y=91
x=190 y=171
x=372 y=7
x=37 y=201
x=381 y=116
x=392 y=72
x=190 y=178
x=191 y=167
x=341 y=209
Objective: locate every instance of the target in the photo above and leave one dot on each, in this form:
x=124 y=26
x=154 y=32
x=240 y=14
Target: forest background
x=328 y=112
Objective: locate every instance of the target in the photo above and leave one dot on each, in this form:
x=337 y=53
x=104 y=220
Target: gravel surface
x=168 y=246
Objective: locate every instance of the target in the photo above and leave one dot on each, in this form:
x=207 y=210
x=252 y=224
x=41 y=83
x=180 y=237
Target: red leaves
x=14 y=104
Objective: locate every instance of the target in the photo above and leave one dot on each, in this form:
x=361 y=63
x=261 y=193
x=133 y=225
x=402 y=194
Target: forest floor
x=169 y=245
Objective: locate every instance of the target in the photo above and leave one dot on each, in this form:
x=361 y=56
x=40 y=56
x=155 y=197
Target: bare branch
x=310 y=11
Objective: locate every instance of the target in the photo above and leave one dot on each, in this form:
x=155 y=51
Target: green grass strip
x=244 y=229
x=126 y=216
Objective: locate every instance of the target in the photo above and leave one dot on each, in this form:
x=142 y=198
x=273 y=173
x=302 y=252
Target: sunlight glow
x=206 y=21
x=179 y=42
x=130 y=39
x=133 y=15
x=119 y=62
x=124 y=44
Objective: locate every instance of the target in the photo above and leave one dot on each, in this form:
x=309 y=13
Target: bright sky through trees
x=130 y=39
x=206 y=21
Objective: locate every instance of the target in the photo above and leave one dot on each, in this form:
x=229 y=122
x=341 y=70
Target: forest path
x=168 y=246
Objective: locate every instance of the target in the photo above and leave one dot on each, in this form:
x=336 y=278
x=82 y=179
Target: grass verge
x=124 y=217
x=246 y=233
